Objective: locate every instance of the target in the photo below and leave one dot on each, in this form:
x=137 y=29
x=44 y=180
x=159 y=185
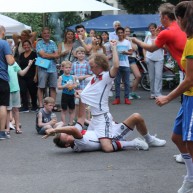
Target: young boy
x=45 y=119
x=67 y=83
x=81 y=69
x=15 y=101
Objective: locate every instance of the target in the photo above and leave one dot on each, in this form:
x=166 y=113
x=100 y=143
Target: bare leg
x=40 y=97
x=177 y=139
x=137 y=75
x=3 y=117
x=106 y=145
x=63 y=116
x=53 y=93
x=16 y=117
x=136 y=120
x=71 y=116
x=8 y=121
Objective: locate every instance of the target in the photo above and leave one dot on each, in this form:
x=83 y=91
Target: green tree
x=144 y=6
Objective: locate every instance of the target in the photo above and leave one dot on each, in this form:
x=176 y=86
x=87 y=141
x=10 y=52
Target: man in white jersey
x=87 y=140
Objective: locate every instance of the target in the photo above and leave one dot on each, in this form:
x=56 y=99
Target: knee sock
x=128 y=144
x=116 y=145
x=189 y=166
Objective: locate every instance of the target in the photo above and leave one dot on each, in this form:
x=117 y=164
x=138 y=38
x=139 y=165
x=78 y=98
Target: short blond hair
x=65 y=63
x=48 y=100
x=80 y=49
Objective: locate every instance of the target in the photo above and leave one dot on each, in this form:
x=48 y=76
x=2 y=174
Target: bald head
x=2 y=31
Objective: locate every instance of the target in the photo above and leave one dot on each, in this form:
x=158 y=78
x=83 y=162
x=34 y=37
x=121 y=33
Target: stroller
x=169 y=77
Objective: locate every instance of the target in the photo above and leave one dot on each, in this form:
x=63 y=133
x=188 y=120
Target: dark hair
x=58 y=142
x=65 y=34
x=184 y=10
x=105 y=32
x=152 y=25
x=28 y=41
x=79 y=26
x=99 y=36
x=120 y=28
x=45 y=28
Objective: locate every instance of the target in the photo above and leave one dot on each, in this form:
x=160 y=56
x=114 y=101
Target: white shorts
x=14 y=100
x=102 y=125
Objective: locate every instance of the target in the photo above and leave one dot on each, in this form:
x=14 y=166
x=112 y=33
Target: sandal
x=18 y=131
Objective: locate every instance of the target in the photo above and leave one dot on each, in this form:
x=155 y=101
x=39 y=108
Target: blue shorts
x=183 y=124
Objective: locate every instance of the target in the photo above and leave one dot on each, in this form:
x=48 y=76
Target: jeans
x=124 y=74
x=155 y=69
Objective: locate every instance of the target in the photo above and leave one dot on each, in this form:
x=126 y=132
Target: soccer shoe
x=179 y=158
x=156 y=142
x=187 y=187
x=127 y=101
x=141 y=144
x=116 y=101
x=134 y=95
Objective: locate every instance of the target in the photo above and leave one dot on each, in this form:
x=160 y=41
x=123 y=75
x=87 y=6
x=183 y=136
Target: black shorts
x=4 y=93
x=67 y=102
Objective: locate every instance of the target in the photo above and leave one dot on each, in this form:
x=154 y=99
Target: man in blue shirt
x=47 y=49
x=6 y=59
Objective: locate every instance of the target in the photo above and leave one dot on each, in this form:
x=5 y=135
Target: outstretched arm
x=115 y=67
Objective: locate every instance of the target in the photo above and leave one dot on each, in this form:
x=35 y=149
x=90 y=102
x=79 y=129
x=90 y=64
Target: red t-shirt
x=174 y=39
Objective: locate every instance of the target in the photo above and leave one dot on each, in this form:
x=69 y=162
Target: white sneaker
x=156 y=142
x=141 y=144
x=11 y=126
x=187 y=187
x=179 y=158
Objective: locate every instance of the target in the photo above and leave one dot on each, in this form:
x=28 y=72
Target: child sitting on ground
x=67 y=83
x=45 y=118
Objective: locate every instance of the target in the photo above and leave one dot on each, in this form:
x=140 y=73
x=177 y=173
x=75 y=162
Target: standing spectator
x=97 y=45
x=124 y=49
x=67 y=84
x=92 y=33
x=183 y=127
x=19 y=39
x=28 y=82
x=113 y=35
x=65 y=47
x=106 y=43
x=80 y=69
x=15 y=101
x=6 y=59
x=133 y=65
x=47 y=48
x=82 y=40
x=155 y=62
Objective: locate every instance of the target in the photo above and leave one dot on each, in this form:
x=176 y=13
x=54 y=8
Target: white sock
x=189 y=166
x=128 y=144
x=148 y=138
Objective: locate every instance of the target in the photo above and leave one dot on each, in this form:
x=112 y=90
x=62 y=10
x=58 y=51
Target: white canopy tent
x=11 y=25
x=42 y=6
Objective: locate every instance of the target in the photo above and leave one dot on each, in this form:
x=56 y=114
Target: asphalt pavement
x=30 y=164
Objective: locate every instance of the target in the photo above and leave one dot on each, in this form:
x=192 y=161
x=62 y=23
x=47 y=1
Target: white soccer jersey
x=96 y=95
x=90 y=142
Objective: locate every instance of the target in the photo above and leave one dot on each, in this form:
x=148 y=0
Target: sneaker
x=3 y=135
x=130 y=97
x=127 y=101
x=187 y=187
x=156 y=142
x=179 y=158
x=11 y=126
x=116 y=101
x=23 y=110
x=141 y=144
x=34 y=109
x=134 y=95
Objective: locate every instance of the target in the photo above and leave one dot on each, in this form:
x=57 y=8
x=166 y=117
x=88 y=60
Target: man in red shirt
x=171 y=37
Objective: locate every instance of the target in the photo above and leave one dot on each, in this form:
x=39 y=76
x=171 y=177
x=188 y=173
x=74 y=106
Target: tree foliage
x=144 y=6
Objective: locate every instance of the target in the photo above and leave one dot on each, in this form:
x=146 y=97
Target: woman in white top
x=154 y=62
x=65 y=47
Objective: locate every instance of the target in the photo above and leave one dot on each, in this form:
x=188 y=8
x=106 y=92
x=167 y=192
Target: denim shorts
x=47 y=79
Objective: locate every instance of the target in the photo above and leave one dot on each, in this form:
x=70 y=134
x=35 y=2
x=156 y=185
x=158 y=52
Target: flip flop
x=18 y=131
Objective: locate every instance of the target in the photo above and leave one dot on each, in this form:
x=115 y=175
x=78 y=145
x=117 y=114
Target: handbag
x=42 y=62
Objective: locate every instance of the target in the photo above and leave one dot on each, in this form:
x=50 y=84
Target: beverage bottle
x=53 y=116
x=70 y=82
